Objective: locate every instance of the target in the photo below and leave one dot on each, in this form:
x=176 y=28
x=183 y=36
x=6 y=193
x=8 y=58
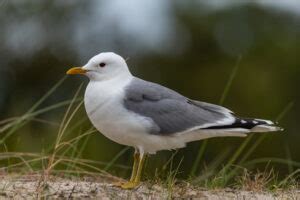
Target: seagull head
x=103 y=66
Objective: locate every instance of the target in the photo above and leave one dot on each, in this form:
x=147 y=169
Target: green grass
x=236 y=164
x=65 y=154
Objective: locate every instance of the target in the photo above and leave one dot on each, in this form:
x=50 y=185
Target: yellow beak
x=76 y=70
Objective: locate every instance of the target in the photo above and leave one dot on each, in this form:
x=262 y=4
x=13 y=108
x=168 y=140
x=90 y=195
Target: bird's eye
x=102 y=64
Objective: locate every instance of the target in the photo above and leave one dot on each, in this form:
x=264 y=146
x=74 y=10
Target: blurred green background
x=191 y=46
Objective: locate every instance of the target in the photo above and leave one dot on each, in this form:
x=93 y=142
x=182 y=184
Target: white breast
x=103 y=103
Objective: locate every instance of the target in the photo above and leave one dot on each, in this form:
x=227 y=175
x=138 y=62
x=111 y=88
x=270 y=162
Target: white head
x=103 y=66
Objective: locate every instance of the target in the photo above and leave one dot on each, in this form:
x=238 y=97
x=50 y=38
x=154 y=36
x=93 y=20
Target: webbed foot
x=130 y=185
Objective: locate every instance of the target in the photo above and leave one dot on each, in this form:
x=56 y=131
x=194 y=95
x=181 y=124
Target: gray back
x=170 y=111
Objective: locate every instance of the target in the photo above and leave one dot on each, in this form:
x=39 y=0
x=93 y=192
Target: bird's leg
x=140 y=169
x=137 y=179
x=136 y=160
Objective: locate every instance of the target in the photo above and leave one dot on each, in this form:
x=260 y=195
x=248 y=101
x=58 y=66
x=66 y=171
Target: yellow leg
x=137 y=179
x=140 y=169
x=136 y=160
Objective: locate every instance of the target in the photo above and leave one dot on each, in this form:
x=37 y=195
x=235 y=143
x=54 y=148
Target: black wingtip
x=249 y=124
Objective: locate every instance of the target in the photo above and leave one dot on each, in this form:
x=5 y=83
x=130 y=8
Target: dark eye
x=102 y=64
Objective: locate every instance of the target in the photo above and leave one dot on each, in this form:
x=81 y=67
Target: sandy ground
x=31 y=187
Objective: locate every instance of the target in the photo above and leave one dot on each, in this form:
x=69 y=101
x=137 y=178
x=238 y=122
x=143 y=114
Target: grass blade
x=221 y=102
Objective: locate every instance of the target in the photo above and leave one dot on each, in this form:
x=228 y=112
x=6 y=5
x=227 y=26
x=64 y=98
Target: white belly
x=105 y=110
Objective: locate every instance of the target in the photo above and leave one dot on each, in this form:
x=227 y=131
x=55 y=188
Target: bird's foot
x=119 y=183
x=130 y=185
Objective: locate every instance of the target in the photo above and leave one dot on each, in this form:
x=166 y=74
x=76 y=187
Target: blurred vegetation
x=188 y=46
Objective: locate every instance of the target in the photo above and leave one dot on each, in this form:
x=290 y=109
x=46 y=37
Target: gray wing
x=170 y=111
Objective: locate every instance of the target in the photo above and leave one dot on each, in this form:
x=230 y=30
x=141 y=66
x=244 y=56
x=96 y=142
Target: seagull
x=150 y=117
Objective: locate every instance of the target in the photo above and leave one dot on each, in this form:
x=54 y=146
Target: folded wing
x=171 y=112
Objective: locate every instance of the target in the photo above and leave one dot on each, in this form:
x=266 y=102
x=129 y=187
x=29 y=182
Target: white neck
x=102 y=97
x=100 y=92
